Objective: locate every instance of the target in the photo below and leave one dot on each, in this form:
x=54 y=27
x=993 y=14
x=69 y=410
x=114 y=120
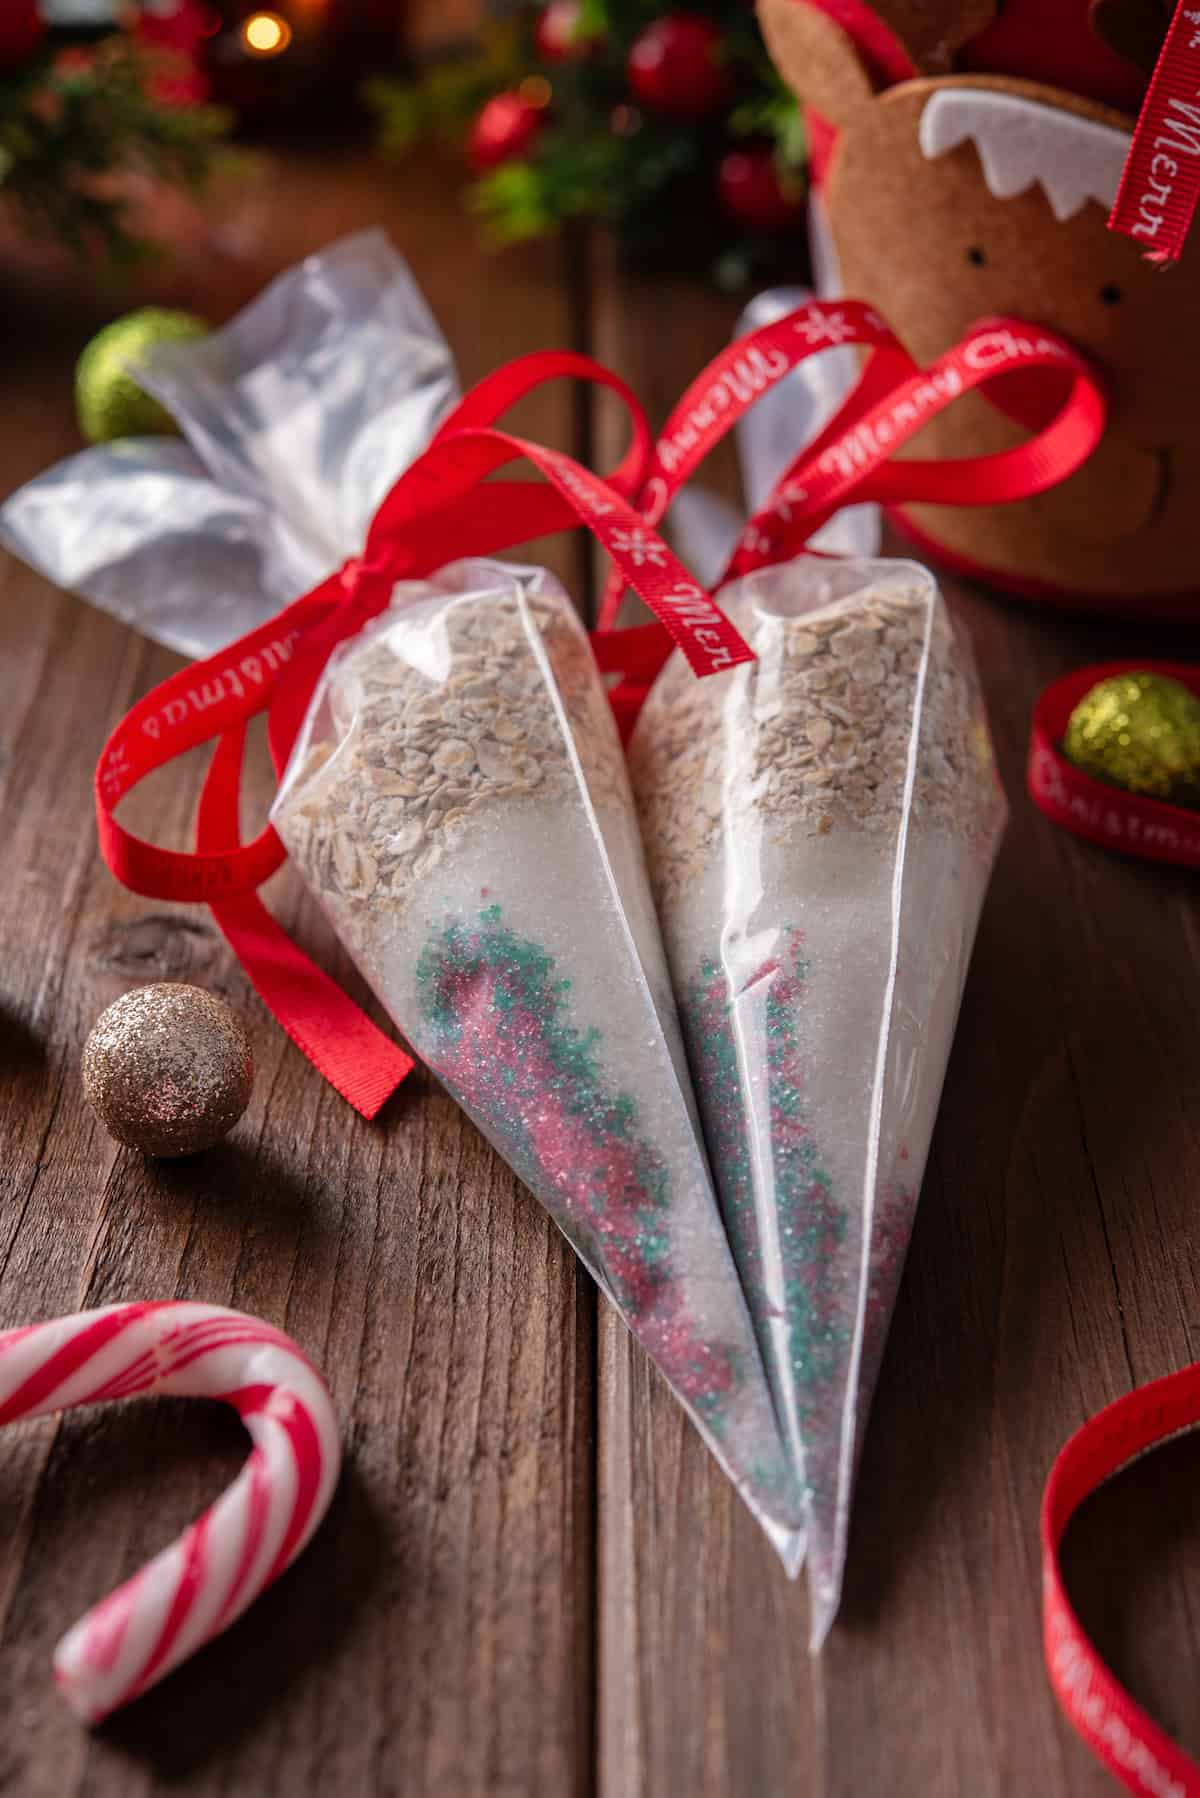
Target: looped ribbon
x=1130 y=1744
x=1036 y=377
x=446 y=507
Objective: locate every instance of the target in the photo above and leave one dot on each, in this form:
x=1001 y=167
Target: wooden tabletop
x=533 y=1579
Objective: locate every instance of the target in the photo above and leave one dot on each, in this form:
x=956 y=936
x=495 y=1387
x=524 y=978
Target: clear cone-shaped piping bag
x=820 y=826
x=459 y=802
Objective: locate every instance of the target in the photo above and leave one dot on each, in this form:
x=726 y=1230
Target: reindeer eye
x=976 y=256
x=1110 y=294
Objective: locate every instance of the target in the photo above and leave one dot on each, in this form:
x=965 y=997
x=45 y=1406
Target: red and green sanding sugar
x=791 y=1233
x=495 y=1012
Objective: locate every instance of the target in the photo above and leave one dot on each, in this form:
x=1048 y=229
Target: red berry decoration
x=560 y=35
x=676 y=66
x=21 y=30
x=750 y=190
x=503 y=129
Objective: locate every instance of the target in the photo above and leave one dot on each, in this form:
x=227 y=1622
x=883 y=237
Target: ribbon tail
x=338 y=1038
x=1159 y=189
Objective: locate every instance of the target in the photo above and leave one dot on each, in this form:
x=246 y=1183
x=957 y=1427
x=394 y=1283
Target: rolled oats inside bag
x=820 y=826
x=458 y=801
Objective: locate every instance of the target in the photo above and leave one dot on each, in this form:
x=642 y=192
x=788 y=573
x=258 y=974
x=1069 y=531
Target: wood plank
x=1048 y=1270
x=436 y=1638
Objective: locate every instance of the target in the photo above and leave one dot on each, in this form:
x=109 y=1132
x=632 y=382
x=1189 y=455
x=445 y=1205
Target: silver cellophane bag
x=296 y=418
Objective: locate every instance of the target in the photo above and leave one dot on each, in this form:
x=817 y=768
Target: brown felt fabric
x=821 y=63
x=904 y=227
x=816 y=59
x=932 y=30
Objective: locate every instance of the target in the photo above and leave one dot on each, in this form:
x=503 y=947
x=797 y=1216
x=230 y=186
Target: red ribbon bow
x=444 y=507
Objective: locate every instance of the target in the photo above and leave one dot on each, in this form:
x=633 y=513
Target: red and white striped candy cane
x=197 y=1586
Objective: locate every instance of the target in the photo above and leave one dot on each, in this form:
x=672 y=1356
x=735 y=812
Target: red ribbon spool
x=1150 y=828
x=1131 y=1745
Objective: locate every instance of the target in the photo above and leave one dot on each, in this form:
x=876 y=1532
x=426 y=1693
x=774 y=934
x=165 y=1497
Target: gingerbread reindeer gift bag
x=967 y=156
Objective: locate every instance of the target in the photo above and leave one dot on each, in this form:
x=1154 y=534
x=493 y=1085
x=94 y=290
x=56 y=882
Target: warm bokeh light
x=266 y=34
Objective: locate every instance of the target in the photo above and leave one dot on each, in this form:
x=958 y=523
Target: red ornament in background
x=503 y=129
x=751 y=191
x=21 y=31
x=676 y=66
x=178 y=30
x=558 y=35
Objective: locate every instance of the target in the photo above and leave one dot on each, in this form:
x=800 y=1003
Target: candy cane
x=197 y=1587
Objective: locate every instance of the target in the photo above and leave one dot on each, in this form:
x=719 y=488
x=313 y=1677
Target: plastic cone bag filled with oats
x=458 y=801
x=821 y=825
x=458 y=796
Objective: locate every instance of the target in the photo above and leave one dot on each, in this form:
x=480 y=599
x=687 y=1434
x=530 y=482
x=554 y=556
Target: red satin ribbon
x=735 y=380
x=1035 y=377
x=1107 y=815
x=854 y=461
x=1131 y=1745
x=1160 y=183
x=444 y=508
x=438 y=509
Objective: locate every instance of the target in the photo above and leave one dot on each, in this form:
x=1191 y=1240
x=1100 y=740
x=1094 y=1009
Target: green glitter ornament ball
x=108 y=400
x=1139 y=731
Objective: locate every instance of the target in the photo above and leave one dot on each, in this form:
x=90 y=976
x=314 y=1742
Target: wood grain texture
x=437 y=1636
x=534 y=1580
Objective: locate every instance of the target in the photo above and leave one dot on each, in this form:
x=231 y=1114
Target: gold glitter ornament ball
x=168 y=1069
x=108 y=400
x=1140 y=731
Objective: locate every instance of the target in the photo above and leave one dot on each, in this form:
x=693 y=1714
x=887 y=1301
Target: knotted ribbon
x=445 y=507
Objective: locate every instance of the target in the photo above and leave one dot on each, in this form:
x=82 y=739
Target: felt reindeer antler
x=932 y=33
x=834 y=53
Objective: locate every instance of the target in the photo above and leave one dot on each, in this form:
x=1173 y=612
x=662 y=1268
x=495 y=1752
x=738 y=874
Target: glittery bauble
x=563 y=32
x=107 y=398
x=505 y=128
x=677 y=66
x=168 y=1069
x=751 y=191
x=1139 y=731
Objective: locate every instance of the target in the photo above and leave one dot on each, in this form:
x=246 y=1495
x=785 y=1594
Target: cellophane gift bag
x=821 y=825
x=457 y=799
x=459 y=803
x=295 y=420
